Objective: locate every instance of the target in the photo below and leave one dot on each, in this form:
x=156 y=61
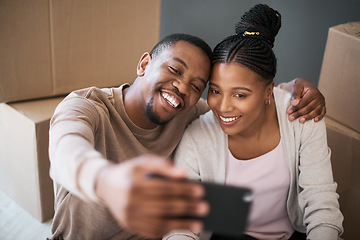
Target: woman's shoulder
x=282 y=99
x=206 y=120
x=205 y=126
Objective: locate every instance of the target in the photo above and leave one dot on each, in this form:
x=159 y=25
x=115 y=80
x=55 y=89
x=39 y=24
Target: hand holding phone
x=229 y=207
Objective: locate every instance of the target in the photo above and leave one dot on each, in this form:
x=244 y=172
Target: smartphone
x=229 y=208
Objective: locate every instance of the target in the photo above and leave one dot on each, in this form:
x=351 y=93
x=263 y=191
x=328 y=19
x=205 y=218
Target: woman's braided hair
x=252 y=44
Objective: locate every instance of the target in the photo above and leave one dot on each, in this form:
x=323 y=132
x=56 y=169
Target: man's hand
x=307 y=102
x=151 y=207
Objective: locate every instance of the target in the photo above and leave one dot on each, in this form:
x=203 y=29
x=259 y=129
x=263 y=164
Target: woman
x=247 y=140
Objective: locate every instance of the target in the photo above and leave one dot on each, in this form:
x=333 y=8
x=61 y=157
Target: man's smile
x=171 y=99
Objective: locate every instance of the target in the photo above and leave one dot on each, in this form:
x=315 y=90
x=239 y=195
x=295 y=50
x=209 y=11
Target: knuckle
x=159 y=228
x=296 y=114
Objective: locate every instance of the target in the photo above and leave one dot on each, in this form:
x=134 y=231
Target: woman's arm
x=318 y=198
x=185 y=157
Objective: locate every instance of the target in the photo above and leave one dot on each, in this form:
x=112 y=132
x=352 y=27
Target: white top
x=269 y=177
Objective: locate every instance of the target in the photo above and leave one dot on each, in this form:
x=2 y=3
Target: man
x=106 y=143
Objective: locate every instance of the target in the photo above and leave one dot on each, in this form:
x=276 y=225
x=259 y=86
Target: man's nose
x=182 y=86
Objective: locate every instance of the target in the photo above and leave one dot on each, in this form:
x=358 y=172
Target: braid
x=253 y=42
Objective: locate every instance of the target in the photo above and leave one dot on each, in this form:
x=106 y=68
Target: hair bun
x=262 y=19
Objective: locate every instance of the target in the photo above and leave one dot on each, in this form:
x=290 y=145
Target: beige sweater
x=90 y=129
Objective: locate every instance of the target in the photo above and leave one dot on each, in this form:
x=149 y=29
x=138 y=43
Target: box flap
x=350 y=28
x=37 y=110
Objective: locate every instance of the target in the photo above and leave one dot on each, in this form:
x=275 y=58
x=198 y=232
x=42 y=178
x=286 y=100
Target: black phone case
x=229 y=209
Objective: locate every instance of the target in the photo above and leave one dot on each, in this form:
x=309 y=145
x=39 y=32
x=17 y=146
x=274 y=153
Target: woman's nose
x=225 y=104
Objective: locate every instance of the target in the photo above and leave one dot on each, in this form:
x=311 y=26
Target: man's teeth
x=229 y=119
x=170 y=99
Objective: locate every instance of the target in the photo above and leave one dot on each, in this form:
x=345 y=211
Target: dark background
x=300 y=44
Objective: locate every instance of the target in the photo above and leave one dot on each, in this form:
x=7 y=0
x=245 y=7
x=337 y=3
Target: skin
x=166 y=86
x=150 y=207
x=181 y=73
x=239 y=99
x=307 y=101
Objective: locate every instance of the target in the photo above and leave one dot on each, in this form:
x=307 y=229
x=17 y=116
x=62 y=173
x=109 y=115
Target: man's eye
x=196 y=87
x=174 y=70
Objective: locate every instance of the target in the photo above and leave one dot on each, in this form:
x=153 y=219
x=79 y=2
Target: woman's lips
x=228 y=119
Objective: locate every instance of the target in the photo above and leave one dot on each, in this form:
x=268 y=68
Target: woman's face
x=237 y=97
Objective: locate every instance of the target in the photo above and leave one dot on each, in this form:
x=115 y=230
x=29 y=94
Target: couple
x=105 y=142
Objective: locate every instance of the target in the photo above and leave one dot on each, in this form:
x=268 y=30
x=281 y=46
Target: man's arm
x=142 y=205
x=307 y=101
x=151 y=207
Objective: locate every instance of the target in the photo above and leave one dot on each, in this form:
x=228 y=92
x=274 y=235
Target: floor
x=17 y=224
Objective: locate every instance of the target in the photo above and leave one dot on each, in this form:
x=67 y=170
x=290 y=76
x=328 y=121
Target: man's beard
x=152 y=115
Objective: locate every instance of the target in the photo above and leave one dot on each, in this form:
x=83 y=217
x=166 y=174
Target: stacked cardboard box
x=340 y=84
x=24 y=165
x=48 y=49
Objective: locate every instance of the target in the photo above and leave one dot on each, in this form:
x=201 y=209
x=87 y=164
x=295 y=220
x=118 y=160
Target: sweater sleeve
x=318 y=197
x=181 y=235
x=185 y=157
x=74 y=161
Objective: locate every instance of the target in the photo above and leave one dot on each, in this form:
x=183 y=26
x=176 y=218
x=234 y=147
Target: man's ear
x=144 y=61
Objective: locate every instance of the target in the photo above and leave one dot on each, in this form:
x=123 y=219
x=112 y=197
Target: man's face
x=174 y=81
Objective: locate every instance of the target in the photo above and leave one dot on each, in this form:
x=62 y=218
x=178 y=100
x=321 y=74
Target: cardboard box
x=340 y=74
x=345 y=158
x=50 y=48
x=24 y=161
x=350 y=205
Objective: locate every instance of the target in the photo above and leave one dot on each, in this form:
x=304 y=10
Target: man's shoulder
x=91 y=92
x=96 y=94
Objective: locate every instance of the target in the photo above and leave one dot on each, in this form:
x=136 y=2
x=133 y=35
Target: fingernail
x=199 y=191
x=292 y=118
x=203 y=209
x=302 y=120
x=196 y=227
x=295 y=102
